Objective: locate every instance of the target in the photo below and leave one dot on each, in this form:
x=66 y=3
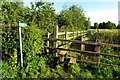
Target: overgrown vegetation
x=40 y=19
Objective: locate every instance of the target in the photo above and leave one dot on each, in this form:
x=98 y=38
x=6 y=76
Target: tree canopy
x=73 y=18
x=104 y=25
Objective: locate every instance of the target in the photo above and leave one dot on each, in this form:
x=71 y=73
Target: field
x=35 y=59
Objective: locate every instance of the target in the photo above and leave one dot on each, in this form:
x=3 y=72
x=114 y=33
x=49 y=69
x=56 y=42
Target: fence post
x=97 y=49
x=55 y=36
x=48 y=42
x=65 y=35
x=56 y=31
x=73 y=35
x=65 y=39
x=82 y=49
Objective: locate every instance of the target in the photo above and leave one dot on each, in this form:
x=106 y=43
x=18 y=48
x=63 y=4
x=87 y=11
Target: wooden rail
x=63 y=33
x=83 y=42
x=82 y=51
x=88 y=52
x=95 y=54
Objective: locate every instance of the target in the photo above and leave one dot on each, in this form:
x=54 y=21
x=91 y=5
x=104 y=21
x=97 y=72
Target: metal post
x=20 y=39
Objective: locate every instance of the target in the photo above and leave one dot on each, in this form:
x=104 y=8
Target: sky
x=98 y=10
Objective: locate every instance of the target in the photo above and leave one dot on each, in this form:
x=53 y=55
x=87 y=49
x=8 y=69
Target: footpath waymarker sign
x=20 y=39
x=22 y=24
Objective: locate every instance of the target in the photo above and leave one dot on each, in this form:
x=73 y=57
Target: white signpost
x=20 y=39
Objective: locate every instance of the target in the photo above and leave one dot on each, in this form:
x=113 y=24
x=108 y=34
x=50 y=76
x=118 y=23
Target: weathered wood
x=112 y=45
x=72 y=60
x=84 y=42
x=62 y=53
x=87 y=52
x=82 y=49
x=61 y=58
x=65 y=35
x=73 y=41
x=98 y=63
x=61 y=33
x=66 y=39
x=73 y=35
x=97 y=49
x=55 y=36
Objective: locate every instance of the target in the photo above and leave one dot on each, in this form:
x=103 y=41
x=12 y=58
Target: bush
x=8 y=71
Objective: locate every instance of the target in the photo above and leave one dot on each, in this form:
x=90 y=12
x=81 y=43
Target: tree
x=108 y=25
x=111 y=25
x=101 y=26
x=12 y=12
x=46 y=17
x=96 y=25
x=118 y=26
x=73 y=18
x=87 y=23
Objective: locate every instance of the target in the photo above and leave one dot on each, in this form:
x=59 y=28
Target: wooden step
x=62 y=53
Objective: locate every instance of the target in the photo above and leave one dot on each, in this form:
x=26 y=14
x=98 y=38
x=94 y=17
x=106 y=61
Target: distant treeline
x=107 y=25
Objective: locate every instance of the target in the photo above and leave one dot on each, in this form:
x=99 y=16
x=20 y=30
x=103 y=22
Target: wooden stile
x=62 y=54
x=72 y=60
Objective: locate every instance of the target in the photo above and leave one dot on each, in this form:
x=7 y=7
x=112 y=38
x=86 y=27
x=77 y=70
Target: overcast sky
x=97 y=10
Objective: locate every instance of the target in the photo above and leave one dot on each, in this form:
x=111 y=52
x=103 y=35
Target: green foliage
x=41 y=19
x=8 y=10
x=87 y=74
x=75 y=70
x=105 y=35
x=118 y=27
x=36 y=68
x=46 y=17
x=107 y=25
x=96 y=25
x=32 y=41
x=8 y=71
x=73 y=19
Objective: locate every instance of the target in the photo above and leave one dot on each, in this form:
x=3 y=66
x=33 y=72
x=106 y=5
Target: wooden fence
x=66 y=35
x=96 y=53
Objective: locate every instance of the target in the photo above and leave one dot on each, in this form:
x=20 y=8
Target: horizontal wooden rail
x=89 y=52
x=97 y=63
x=94 y=63
x=84 y=42
x=112 y=45
x=63 y=44
x=63 y=33
x=73 y=41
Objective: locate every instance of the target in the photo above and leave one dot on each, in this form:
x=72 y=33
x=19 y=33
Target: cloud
x=103 y=16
